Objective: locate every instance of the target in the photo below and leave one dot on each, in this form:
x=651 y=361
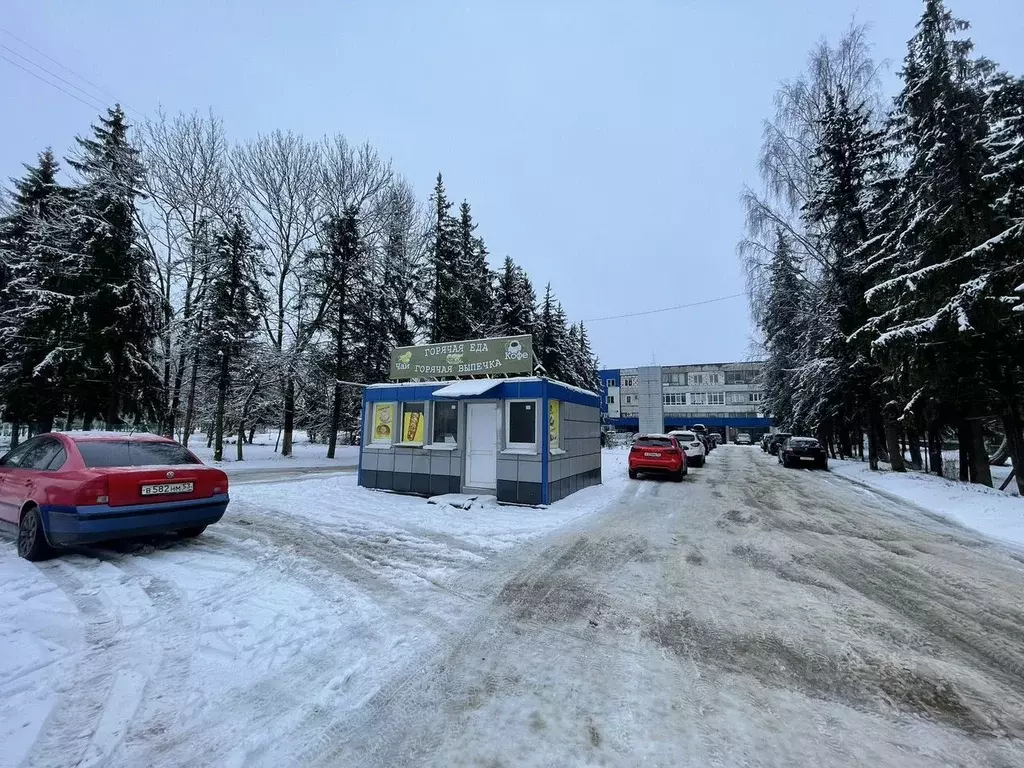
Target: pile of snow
x=984 y=509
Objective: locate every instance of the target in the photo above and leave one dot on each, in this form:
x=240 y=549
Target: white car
x=691 y=445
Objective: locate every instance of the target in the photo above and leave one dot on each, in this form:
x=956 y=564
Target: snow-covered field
x=990 y=511
x=262 y=454
x=304 y=600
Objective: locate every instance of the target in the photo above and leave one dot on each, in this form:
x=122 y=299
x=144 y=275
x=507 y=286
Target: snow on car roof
x=654 y=434
x=100 y=434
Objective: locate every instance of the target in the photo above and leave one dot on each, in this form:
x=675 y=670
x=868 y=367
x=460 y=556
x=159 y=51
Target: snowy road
x=748 y=616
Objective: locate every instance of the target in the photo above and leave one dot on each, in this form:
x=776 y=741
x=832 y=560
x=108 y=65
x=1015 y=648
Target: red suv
x=659 y=454
x=59 y=489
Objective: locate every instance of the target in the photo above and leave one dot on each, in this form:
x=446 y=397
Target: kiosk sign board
x=475 y=357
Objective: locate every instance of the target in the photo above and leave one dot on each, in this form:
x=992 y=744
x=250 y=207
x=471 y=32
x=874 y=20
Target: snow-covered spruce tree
x=782 y=315
x=340 y=271
x=588 y=375
x=924 y=289
x=572 y=360
x=446 y=309
x=40 y=352
x=514 y=302
x=999 y=298
x=473 y=272
x=550 y=337
x=841 y=370
x=234 y=307
x=116 y=291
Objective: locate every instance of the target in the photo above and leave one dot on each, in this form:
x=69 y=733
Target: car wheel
x=632 y=474
x=823 y=465
x=32 y=543
x=678 y=476
x=701 y=460
x=191 y=533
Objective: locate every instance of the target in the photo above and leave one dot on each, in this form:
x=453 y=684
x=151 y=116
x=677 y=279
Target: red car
x=659 y=454
x=60 y=489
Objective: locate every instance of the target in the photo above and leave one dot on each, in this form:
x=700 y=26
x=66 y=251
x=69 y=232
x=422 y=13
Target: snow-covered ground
x=990 y=511
x=303 y=601
x=262 y=454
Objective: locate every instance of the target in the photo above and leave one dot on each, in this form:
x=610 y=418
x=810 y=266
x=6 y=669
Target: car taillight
x=93 y=492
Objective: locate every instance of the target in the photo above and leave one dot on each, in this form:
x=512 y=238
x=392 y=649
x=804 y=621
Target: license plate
x=806 y=458
x=164 y=488
x=652 y=455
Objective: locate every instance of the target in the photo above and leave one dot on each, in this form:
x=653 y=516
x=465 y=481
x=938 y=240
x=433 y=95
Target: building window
x=673 y=398
x=744 y=376
x=382 y=424
x=610 y=382
x=755 y=397
x=673 y=379
x=629 y=381
x=704 y=379
x=446 y=423
x=698 y=398
x=611 y=399
x=413 y=423
x=521 y=424
x=716 y=398
x=629 y=399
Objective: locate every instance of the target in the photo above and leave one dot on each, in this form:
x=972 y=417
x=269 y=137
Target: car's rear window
x=654 y=442
x=135 y=453
x=686 y=437
x=804 y=442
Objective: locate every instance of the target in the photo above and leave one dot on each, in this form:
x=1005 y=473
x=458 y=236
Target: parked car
x=764 y=441
x=775 y=440
x=803 y=451
x=657 y=454
x=743 y=439
x=702 y=434
x=61 y=489
x=692 y=445
x=716 y=439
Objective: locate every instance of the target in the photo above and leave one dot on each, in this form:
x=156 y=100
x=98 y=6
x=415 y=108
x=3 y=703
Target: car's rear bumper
x=101 y=522
x=644 y=466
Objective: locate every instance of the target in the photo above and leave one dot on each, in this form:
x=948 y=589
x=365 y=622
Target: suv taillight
x=93 y=492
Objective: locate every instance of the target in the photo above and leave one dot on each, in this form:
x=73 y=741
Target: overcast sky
x=602 y=145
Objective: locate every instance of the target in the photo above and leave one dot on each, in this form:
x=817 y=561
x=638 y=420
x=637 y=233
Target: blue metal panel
x=545 y=453
x=559 y=391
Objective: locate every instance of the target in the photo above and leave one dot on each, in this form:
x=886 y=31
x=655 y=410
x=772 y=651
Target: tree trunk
x=15 y=429
x=86 y=423
x=964 y=446
x=112 y=415
x=935 y=447
x=874 y=433
x=891 y=429
x=252 y=434
x=222 y=391
x=289 y=413
x=190 y=401
x=241 y=439
x=914 y=445
x=981 y=472
x=892 y=440
x=44 y=425
x=1015 y=438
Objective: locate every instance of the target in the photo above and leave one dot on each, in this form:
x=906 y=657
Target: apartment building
x=724 y=396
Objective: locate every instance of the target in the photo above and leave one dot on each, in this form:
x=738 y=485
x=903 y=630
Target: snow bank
x=987 y=510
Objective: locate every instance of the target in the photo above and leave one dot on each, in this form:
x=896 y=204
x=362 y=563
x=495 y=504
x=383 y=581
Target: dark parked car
x=702 y=434
x=777 y=439
x=803 y=451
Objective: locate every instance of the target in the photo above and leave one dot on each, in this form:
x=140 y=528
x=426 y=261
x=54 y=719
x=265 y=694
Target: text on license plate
x=162 y=488
x=651 y=455
x=806 y=458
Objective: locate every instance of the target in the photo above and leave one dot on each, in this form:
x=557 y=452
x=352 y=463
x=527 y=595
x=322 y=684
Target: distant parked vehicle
x=657 y=454
x=803 y=451
x=716 y=439
x=743 y=439
x=61 y=489
x=704 y=437
x=777 y=439
x=692 y=445
x=764 y=441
